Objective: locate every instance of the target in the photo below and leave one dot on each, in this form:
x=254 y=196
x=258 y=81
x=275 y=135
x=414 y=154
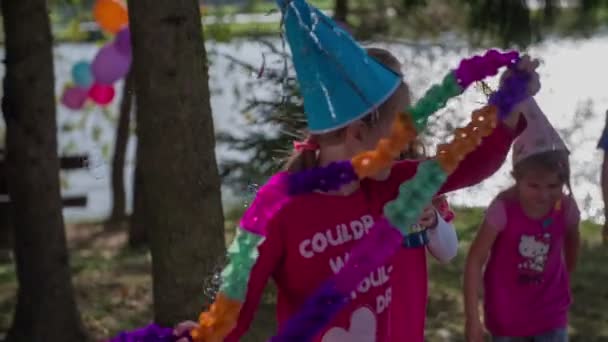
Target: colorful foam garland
x=368 y=163
x=376 y=248
x=383 y=240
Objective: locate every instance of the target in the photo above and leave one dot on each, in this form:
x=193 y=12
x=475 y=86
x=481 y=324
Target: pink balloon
x=102 y=94
x=110 y=64
x=74 y=97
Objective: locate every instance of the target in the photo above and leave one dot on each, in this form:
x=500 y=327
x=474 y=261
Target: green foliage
x=510 y=23
x=507 y=19
x=259 y=7
x=225 y=32
x=280 y=111
x=506 y=23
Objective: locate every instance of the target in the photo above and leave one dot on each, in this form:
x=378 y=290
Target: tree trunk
x=6 y=234
x=176 y=142
x=341 y=11
x=137 y=227
x=549 y=12
x=6 y=221
x=119 y=209
x=46 y=309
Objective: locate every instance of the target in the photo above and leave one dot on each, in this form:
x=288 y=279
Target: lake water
x=574 y=97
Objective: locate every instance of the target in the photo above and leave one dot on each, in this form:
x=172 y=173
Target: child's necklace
x=549 y=220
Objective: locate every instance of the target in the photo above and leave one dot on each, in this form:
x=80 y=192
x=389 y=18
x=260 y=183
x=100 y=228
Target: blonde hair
x=307 y=159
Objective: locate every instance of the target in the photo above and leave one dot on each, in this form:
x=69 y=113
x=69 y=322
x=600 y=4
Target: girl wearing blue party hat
x=351 y=101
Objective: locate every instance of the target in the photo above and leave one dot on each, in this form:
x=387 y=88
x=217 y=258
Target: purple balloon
x=123 y=41
x=110 y=65
x=74 y=97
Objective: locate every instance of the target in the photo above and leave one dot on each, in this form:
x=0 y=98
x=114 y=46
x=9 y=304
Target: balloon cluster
x=94 y=80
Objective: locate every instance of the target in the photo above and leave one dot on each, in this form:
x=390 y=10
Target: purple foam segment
x=513 y=91
x=314 y=315
x=478 y=67
x=329 y=178
x=150 y=333
x=371 y=252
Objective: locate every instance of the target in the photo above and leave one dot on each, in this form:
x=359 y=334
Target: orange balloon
x=111 y=15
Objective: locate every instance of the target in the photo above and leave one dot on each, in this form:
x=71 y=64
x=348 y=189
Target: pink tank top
x=527 y=289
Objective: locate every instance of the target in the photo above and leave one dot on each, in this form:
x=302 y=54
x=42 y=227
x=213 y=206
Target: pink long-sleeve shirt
x=309 y=239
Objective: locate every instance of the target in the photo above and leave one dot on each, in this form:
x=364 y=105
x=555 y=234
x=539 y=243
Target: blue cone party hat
x=340 y=83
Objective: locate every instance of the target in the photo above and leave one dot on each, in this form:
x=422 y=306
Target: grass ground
x=113 y=286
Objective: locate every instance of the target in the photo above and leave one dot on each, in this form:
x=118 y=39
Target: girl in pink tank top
x=528 y=244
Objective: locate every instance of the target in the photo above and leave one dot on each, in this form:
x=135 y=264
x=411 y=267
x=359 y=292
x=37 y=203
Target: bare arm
x=476 y=259
x=443 y=241
x=571 y=247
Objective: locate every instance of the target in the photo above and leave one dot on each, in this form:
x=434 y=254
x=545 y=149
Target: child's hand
x=443 y=208
x=527 y=65
x=183 y=328
x=428 y=219
x=474 y=330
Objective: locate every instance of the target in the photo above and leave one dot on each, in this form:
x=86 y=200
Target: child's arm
x=486 y=159
x=571 y=247
x=443 y=241
x=478 y=165
x=476 y=259
x=254 y=255
x=230 y=315
x=572 y=239
x=270 y=255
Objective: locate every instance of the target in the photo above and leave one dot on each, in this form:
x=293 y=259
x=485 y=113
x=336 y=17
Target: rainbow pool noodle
x=369 y=252
x=454 y=83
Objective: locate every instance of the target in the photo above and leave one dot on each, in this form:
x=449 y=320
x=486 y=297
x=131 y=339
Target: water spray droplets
x=211 y=284
x=252 y=190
